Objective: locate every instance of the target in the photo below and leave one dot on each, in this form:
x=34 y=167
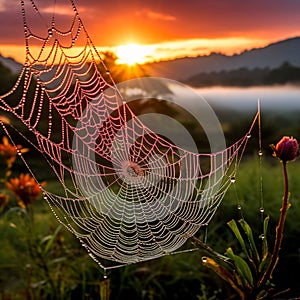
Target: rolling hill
x=271 y=56
x=11 y=64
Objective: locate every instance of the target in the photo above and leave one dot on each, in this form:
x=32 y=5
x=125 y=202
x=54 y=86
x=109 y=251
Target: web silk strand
x=128 y=194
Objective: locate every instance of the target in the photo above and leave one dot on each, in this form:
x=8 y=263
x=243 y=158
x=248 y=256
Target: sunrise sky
x=162 y=29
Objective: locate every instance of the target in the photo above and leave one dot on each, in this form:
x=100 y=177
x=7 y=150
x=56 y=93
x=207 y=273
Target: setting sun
x=131 y=54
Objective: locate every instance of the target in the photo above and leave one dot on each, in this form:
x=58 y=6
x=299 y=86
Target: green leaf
x=233 y=226
x=264 y=263
x=52 y=239
x=265 y=241
x=249 y=234
x=242 y=268
x=266 y=258
x=58 y=260
x=227 y=275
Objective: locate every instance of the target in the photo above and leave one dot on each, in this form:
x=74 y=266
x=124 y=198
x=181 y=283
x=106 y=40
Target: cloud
x=196 y=47
x=2 y=5
x=155 y=15
x=8 y=5
x=59 y=10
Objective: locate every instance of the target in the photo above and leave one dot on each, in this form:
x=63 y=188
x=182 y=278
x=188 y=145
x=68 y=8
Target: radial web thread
x=129 y=194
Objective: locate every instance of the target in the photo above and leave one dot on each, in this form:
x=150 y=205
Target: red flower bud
x=287 y=149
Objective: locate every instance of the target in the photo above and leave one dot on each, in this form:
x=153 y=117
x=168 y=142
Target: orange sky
x=169 y=28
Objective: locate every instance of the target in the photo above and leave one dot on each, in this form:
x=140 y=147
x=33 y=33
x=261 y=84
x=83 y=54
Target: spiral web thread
x=129 y=195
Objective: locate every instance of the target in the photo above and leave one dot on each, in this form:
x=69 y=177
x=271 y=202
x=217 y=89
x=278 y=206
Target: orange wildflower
x=9 y=152
x=25 y=188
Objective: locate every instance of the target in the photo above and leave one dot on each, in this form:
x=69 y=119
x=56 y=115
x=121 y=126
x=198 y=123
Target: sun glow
x=132 y=54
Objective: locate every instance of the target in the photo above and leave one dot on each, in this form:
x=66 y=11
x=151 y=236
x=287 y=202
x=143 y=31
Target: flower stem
x=279 y=230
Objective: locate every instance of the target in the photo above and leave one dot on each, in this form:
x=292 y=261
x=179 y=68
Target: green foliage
x=205 y=295
x=37 y=260
x=46 y=262
x=243 y=271
x=249 y=270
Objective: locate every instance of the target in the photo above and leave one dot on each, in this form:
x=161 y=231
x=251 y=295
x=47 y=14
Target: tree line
x=285 y=73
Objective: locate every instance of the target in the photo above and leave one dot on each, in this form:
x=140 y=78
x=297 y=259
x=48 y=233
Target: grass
x=176 y=276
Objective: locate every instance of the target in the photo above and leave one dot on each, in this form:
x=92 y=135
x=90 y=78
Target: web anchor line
x=127 y=193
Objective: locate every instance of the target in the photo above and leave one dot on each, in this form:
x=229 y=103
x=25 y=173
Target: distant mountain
x=11 y=64
x=271 y=56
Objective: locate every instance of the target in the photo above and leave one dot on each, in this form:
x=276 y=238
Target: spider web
x=129 y=194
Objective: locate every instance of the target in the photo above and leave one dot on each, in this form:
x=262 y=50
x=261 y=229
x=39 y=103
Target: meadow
x=40 y=259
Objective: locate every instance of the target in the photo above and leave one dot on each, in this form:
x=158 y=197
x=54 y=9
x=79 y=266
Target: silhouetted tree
x=119 y=72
